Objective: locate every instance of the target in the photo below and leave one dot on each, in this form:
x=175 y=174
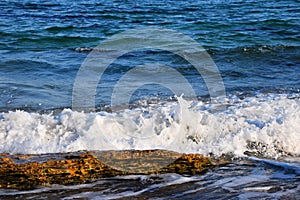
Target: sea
x=214 y=77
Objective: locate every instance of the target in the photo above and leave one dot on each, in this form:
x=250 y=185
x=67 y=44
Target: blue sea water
x=254 y=44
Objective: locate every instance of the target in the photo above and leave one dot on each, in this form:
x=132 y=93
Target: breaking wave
x=265 y=126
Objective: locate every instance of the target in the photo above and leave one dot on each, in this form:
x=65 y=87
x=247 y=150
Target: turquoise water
x=254 y=44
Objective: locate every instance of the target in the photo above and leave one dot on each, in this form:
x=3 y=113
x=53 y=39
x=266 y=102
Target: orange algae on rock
x=29 y=171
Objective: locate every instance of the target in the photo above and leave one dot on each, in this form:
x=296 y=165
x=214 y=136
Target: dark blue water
x=254 y=44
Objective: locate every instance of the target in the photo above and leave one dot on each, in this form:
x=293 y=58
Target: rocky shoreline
x=26 y=172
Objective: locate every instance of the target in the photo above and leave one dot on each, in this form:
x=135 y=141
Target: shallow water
x=240 y=179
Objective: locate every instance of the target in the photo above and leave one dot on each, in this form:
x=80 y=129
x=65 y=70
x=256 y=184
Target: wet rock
x=29 y=171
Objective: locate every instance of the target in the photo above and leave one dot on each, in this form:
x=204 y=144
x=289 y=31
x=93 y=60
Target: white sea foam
x=268 y=124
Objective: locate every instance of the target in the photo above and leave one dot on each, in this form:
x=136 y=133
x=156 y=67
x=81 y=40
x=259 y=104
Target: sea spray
x=266 y=125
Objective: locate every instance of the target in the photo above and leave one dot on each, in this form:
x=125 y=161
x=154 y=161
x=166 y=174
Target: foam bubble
x=267 y=125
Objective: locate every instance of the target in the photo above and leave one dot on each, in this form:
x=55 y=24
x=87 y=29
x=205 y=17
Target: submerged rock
x=29 y=171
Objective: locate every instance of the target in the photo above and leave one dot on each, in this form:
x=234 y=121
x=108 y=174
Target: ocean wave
x=263 y=126
x=262 y=48
x=248 y=49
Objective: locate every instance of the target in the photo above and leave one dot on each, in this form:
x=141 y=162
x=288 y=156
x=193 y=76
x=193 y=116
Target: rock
x=29 y=171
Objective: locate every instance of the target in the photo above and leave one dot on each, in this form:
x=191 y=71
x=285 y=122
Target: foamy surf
x=266 y=126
